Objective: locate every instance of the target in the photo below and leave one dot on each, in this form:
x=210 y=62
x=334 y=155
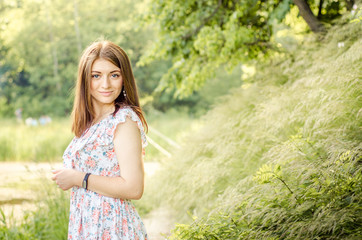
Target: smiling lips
x=106 y=94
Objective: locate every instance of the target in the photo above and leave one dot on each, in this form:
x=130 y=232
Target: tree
x=202 y=35
x=305 y=11
x=349 y=4
x=199 y=36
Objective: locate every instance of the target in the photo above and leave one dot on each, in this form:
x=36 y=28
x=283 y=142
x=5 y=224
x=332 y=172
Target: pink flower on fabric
x=90 y=162
x=106 y=235
x=95 y=216
x=109 y=131
x=106 y=173
x=72 y=195
x=116 y=168
x=110 y=154
x=106 y=208
x=96 y=144
x=124 y=226
x=80 y=228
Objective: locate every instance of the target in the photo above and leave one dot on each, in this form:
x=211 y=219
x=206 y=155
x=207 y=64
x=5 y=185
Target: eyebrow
x=110 y=72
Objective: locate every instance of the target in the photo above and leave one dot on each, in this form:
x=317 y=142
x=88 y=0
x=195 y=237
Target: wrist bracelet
x=85 y=181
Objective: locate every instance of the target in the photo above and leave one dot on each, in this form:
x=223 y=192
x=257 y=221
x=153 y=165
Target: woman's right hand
x=67 y=178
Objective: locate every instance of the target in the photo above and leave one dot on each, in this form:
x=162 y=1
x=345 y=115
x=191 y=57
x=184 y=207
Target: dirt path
x=158 y=223
x=15 y=200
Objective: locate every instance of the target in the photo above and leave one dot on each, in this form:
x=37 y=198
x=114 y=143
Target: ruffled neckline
x=97 y=124
x=103 y=131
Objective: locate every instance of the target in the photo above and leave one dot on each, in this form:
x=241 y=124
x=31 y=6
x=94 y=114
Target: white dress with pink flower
x=92 y=215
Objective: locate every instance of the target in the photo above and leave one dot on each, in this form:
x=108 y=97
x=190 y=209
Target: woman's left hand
x=65 y=178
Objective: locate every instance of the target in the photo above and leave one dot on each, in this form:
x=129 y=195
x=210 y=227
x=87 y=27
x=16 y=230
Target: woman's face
x=106 y=83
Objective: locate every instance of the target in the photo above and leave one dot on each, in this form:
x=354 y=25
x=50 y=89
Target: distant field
x=19 y=142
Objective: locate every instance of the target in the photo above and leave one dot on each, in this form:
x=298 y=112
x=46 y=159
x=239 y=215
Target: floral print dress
x=92 y=215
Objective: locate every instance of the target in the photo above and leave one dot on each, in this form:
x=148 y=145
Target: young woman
x=103 y=163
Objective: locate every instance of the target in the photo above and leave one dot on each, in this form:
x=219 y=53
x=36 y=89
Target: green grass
x=49 y=220
x=19 y=142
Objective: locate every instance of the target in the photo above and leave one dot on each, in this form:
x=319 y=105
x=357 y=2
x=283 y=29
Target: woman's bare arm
x=128 y=149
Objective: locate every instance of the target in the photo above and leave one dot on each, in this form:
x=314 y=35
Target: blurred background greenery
x=262 y=98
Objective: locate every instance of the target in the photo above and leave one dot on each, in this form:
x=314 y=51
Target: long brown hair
x=83 y=111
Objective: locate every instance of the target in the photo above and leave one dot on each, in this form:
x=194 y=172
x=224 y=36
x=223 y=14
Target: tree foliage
x=41 y=41
x=201 y=36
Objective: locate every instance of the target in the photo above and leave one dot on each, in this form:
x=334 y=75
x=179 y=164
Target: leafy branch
x=203 y=22
x=266 y=173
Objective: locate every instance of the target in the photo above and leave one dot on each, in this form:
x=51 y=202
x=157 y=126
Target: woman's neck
x=102 y=112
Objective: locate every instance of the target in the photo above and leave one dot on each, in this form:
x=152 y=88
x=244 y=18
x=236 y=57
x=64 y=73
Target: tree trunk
x=307 y=14
x=349 y=4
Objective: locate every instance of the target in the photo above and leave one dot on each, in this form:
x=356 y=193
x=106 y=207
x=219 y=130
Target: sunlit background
x=254 y=110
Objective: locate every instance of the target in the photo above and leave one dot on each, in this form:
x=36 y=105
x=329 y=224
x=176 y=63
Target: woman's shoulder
x=121 y=117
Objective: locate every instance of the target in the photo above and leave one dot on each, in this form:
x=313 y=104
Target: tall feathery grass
x=279 y=158
x=173 y=125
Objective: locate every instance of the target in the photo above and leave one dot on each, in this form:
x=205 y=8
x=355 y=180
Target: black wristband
x=85 y=181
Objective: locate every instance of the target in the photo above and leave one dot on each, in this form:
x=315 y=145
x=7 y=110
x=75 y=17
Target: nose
x=105 y=82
